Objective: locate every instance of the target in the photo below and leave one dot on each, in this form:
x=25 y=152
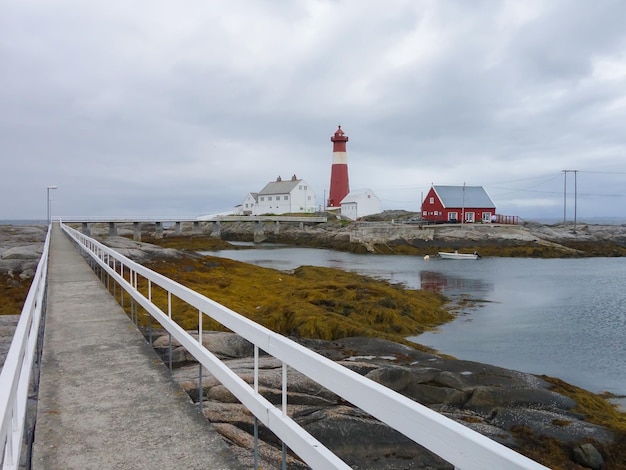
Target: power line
x=604 y=172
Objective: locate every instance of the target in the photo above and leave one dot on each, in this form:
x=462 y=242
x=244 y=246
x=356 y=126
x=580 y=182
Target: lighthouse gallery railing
x=457 y=444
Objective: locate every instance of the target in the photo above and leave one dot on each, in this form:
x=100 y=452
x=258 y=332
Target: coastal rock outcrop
x=20 y=249
x=400 y=232
x=500 y=403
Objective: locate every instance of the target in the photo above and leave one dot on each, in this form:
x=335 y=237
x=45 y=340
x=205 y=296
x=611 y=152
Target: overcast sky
x=163 y=108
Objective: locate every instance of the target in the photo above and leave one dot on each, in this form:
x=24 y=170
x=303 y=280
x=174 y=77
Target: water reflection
x=570 y=311
x=454 y=285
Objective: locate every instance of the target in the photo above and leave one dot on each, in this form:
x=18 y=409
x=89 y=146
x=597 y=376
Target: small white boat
x=457 y=255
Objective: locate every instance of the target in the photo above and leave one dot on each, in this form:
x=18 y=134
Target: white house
x=248 y=205
x=283 y=197
x=360 y=203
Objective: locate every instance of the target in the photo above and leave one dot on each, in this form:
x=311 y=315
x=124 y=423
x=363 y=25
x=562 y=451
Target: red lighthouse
x=339 y=186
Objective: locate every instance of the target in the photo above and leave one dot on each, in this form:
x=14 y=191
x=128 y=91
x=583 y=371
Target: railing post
x=199 y=363
x=284 y=447
x=256 y=420
x=150 y=316
x=169 y=314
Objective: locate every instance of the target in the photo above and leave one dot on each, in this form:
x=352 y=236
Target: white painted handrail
x=455 y=443
x=18 y=366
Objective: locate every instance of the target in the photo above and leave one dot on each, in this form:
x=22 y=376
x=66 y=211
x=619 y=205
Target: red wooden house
x=455 y=203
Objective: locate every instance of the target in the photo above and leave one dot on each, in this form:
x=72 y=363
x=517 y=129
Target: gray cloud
x=156 y=108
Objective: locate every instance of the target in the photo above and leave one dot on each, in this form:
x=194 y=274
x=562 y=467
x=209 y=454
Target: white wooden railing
x=455 y=443
x=18 y=366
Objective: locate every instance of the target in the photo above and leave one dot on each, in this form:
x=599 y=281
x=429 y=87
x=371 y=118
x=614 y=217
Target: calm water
x=564 y=318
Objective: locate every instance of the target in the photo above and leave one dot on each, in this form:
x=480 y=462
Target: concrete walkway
x=106 y=401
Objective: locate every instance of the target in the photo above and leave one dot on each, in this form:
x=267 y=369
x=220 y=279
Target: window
x=300 y=187
x=469 y=217
x=486 y=216
x=286 y=198
x=453 y=216
x=262 y=199
x=431 y=200
x=269 y=198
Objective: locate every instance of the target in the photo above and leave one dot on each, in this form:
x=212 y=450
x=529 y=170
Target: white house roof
x=355 y=196
x=463 y=196
x=279 y=187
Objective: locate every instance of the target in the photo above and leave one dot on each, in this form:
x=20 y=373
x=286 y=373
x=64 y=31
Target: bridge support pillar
x=216 y=231
x=158 y=230
x=196 y=227
x=259 y=235
x=85 y=229
x=178 y=227
x=112 y=229
x=137 y=231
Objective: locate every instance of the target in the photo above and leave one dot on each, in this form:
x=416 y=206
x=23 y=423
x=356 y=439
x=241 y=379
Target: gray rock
x=588 y=456
x=23 y=252
x=395 y=378
x=379 y=447
x=488 y=399
x=20 y=249
x=137 y=250
x=561 y=426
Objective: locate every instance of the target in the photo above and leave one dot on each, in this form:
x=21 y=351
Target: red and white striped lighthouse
x=339 y=186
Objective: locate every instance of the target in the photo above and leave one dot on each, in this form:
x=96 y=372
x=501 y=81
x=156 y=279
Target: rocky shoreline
x=392 y=232
x=505 y=405
x=537 y=416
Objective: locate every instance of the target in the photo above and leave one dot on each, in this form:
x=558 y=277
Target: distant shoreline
x=541 y=220
x=23 y=222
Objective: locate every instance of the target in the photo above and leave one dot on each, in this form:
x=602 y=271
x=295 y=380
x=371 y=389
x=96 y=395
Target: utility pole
x=564 y=196
x=575 y=197
x=565 y=172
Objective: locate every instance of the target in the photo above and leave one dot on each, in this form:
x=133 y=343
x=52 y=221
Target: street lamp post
x=48 y=201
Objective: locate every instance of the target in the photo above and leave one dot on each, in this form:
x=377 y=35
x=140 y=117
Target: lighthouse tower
x=339 y=186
